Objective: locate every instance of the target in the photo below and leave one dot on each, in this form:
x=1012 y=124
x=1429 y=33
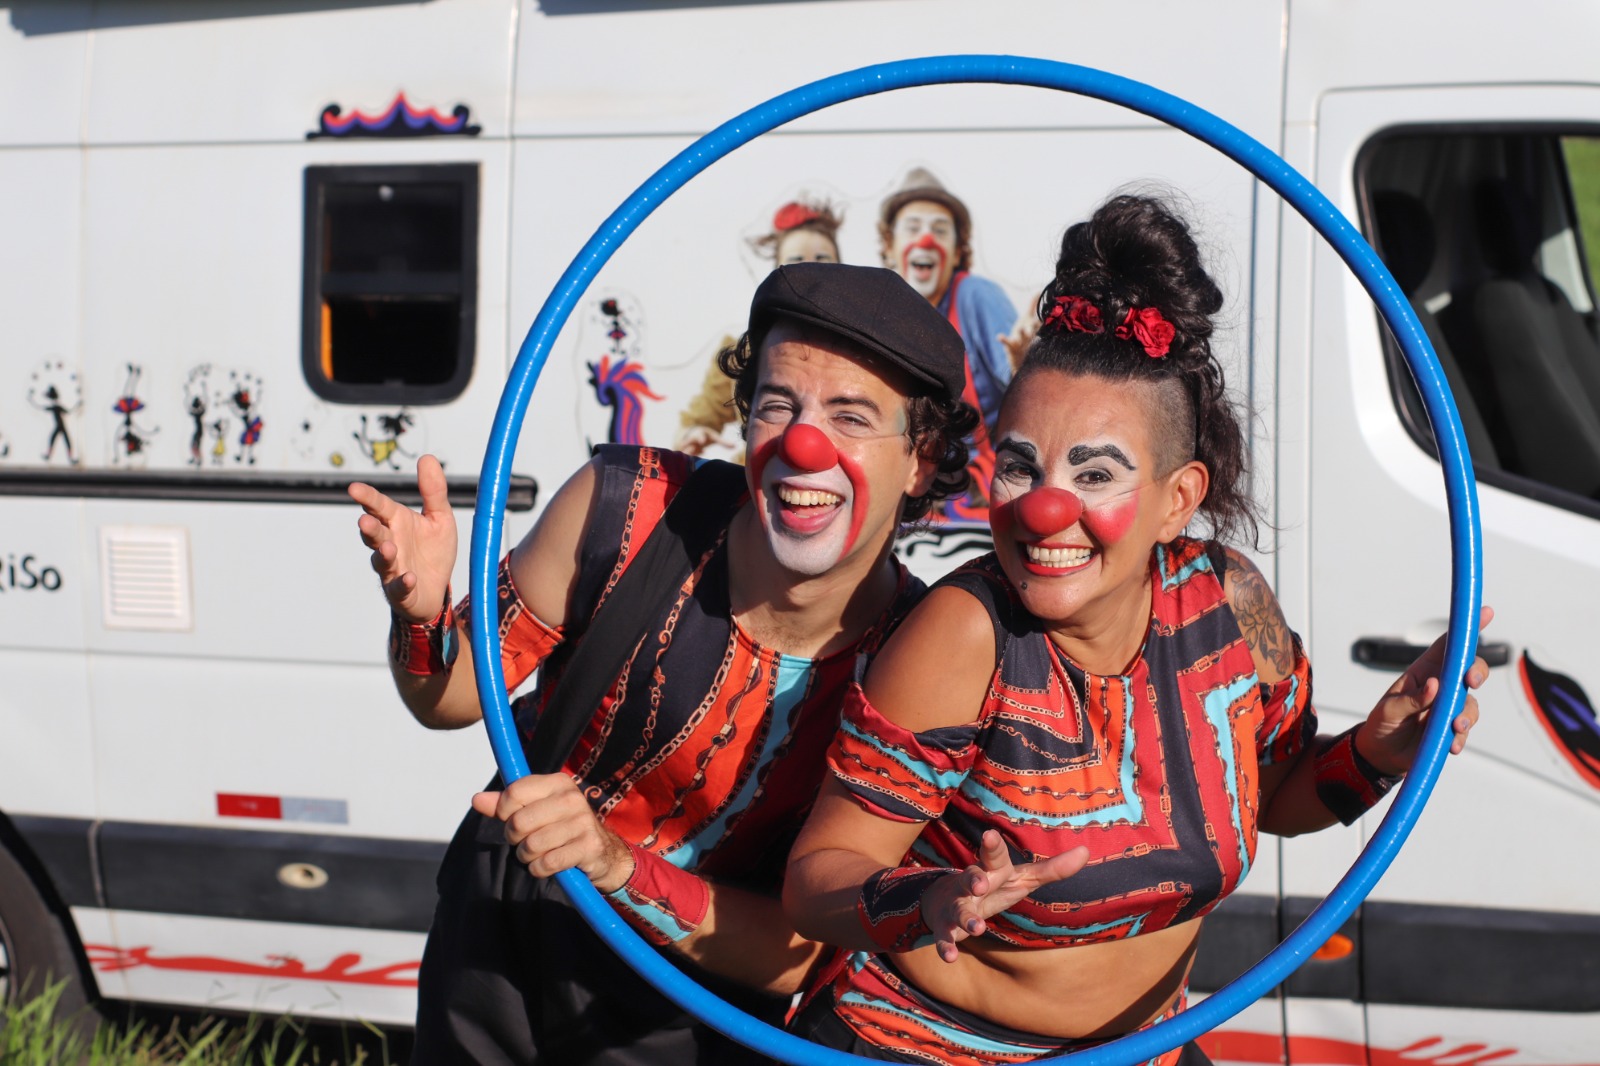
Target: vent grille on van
x=145 y=577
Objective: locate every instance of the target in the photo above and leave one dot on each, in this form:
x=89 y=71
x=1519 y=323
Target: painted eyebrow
x=1021 y=447
x=1082 y=453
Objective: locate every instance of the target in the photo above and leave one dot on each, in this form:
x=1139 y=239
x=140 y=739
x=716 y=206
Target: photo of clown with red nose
x=925 y=236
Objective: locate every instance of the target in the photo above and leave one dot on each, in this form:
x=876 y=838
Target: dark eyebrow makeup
x=1082 y=453
x=1022 y=448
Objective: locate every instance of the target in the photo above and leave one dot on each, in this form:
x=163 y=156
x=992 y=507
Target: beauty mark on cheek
x=1110 y=523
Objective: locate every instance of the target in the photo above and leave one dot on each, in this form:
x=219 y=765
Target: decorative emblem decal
x=400 y=119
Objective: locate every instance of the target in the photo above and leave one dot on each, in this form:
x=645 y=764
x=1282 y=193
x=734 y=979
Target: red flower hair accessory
x=793 y=214
x=1150 y=328
x=1075 y=315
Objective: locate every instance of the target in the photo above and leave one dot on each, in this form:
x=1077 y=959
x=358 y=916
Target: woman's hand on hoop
x=956 y=908
x=1392 y=732
x=412 y=552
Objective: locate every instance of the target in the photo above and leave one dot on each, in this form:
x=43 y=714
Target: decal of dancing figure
x=246 y=400
x=58 y=398
x=130 y=439
x=383 y=449
x=196 y=401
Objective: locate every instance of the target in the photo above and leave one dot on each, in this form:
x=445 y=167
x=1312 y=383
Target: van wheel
x=34 y=949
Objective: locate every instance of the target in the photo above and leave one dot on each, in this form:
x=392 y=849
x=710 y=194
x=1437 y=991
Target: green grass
x=1583 y=170
x=32 y=1034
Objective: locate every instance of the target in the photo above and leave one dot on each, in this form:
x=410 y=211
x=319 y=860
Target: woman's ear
x=1186 y=489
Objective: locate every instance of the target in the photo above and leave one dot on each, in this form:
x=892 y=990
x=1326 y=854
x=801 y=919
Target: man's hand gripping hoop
x=1466 y=562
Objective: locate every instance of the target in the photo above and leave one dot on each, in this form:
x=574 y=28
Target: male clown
x=925 y=235
x=684 y=792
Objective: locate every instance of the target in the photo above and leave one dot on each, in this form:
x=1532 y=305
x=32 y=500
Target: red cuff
x=665 y=904
x=424 y=648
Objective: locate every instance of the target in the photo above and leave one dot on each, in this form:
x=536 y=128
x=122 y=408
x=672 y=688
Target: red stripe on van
x=234 y=805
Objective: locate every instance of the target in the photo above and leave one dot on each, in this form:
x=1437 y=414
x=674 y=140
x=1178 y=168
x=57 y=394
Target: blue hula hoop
x=1466 y=579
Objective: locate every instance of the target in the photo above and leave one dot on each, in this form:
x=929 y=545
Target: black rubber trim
x=65 y=849
x=233 y=873
x=246 y=487
x=1421 y=955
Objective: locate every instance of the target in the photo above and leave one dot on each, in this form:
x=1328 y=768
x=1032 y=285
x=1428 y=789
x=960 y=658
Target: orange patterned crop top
x=1156 y=771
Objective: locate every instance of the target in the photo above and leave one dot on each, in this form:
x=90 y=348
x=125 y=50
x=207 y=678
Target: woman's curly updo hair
x=937 y=426
x=1134 y=254
x=802 y=215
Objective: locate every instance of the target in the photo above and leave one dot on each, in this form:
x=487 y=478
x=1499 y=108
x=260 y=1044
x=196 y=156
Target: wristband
x=1347 y=784
x=664 y=903
x=890 y=907
x=425 y=648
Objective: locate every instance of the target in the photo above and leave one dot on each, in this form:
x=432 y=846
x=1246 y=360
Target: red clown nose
x=1046 y=511
x=807 y=449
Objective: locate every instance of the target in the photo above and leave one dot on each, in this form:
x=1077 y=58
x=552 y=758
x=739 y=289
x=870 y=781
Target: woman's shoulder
x=936 y=668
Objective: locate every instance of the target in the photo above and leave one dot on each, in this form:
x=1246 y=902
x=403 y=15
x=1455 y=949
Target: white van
x=252 y=249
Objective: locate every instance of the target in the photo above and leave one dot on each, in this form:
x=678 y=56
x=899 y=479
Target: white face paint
x=923 y=248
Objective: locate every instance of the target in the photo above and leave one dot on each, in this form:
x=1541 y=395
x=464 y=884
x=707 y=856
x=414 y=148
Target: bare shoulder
x=935 y=669
x=1260 y=617
x=544 y=565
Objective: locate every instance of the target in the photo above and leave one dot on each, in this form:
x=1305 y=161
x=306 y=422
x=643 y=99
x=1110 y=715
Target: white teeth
x=807 y=497
x=1058 y=556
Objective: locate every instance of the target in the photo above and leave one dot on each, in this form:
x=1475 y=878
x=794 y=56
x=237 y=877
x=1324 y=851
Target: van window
x=1490 y=233
x=391 y=259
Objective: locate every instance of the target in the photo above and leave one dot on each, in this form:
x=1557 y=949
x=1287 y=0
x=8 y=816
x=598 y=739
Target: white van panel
x=611 y=72
x=43 y=62
x=259 y=968
x=159 y=77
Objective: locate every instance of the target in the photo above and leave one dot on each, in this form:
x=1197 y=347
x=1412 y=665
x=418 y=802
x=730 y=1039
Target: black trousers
x=513 y=976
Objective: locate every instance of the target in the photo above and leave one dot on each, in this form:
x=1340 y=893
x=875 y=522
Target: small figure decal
x=399 y=119
x=383 y=447
x=619 y=382
x=196 y=402
x=129 y=439
x=55 y=391
x=244 y=397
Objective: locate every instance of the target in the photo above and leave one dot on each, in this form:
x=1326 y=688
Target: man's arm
x=986 y=316
x=413 y=553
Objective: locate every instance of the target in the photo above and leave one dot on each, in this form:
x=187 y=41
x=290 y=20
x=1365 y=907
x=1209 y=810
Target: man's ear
x=1185 y=490
x=885 y=245
x=923 y=474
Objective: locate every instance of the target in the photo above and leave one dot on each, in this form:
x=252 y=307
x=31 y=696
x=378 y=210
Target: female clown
x=1061 y=760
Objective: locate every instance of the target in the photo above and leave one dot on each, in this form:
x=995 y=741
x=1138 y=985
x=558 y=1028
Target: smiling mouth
x=1057 y=558
x=923 y=263
x=808 y=497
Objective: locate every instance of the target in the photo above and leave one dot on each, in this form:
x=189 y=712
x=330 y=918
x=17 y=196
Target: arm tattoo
x=1260 y=618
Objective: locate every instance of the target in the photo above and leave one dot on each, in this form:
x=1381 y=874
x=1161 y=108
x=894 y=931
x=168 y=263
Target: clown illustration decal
x=618 y=379
x=379 y=438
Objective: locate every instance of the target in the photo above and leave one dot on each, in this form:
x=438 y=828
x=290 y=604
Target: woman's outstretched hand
x=1389 y=738
x=412 y=553
x=958 y=907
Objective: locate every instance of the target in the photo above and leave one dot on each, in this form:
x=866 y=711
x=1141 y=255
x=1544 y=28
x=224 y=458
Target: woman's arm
x=1294 y=792
x=844 y=885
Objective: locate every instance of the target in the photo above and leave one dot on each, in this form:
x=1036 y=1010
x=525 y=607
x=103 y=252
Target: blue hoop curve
x=1466 y=565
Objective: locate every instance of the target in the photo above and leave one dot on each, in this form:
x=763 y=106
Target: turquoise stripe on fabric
x=1056 y=931
x=961 y=1038
x=654 y=917
x=1216 y=704
x=944 y=780
x=793 y=682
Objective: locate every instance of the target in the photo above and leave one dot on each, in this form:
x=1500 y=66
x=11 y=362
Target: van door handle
x=1382 y=653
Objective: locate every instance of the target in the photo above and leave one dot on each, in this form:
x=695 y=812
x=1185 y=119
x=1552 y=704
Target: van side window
x=391 y=270
x=1491 y=233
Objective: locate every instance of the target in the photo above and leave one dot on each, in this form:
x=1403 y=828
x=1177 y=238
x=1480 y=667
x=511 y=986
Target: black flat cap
x=872 y=307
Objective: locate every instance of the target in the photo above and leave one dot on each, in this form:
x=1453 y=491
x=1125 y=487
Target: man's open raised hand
x=412 y=553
